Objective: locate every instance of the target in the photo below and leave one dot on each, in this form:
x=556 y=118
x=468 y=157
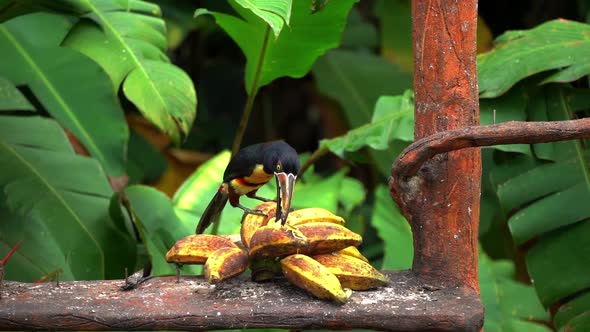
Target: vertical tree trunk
x=441 y=202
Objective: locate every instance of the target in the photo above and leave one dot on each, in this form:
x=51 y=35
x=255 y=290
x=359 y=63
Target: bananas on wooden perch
x=313 y=250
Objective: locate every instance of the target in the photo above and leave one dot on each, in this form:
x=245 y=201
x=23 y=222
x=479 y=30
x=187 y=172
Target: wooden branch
x=512 y=132
x=442 y=205
x=407 y=304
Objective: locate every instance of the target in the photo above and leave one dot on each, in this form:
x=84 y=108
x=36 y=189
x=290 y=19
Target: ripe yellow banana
x=305 y=272
x=225 y=263
x=196 y=248
x=353 y=252
x=326 y=237
x=251 y=222
x=302 y=216
x=352 y=272
x=273 y=240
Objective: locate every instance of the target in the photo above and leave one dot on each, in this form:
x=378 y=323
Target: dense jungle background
x=117 y=117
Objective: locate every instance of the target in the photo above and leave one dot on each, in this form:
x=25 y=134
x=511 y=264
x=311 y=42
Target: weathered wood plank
x=407 y=304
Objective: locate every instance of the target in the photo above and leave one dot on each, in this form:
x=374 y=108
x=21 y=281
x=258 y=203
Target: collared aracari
x=251 y=168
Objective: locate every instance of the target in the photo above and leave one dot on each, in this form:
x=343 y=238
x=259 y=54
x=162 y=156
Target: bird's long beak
x=285 y=185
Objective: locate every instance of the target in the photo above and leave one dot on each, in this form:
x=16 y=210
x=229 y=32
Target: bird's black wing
x=243 y=163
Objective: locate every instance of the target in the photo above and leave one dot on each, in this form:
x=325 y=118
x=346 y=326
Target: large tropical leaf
x=191 y=199
x=546 y=199
x=294 y=51
x=394 y=230
x=356 y=81
x=57 y=203
x=158 y=226
x=11 y=99
x=274 y=12
x=135 y=58
x=71 y=87
x=393 y=118
x=510 y=306
x=558 y=44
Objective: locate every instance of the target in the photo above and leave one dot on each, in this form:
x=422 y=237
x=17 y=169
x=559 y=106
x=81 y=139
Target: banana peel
x=275 y=241
x=302 y=216
x=225 y=263
x=196 y=248
x=353 y=252
x=308 y=274
x=352 y=272
x=252 y=222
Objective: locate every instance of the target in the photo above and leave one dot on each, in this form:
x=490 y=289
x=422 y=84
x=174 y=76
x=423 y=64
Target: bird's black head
x=280 y=157
x=282 y=160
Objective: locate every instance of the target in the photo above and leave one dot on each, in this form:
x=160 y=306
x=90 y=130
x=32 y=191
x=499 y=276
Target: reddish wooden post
x=441 y=201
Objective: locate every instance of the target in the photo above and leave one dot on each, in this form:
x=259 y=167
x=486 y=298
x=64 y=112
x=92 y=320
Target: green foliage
x=294 y=52
x=357 y=80
x=394 y=230
x=558 y=44
x=32 y=56
x=11 y=98
x=543 y=193
x=275 y=13
x=392 y=119
x=510 y=305
x=158 y=226
x=55 y=64
x=63 y=200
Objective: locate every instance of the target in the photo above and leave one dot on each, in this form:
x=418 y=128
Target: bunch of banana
x=313 y=250
x=222 y=258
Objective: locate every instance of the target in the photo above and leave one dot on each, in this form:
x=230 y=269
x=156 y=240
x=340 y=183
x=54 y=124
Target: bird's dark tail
x=212 y=212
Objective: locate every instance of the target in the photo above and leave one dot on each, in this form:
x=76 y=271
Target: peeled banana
x=307 y=273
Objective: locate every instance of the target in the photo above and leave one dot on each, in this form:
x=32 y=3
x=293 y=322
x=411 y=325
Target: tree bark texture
x=405 y=304
x=441 y=202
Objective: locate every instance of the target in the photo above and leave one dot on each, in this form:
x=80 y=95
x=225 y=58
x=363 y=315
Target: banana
x=251 y=222
x=273 y=240
x=326 y=237
x=305 y=272
x=196 y=248
x=352 y=272
x=303 y=216
x=225 y=263
x=353 y=252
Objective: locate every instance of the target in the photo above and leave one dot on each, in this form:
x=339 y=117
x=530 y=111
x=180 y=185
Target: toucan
x=251 y=168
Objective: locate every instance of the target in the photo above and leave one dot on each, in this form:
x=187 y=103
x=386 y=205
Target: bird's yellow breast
x=257 y=179
x=258 y=176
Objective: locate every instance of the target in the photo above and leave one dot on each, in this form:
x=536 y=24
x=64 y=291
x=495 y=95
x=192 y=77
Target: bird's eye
x=278 y=167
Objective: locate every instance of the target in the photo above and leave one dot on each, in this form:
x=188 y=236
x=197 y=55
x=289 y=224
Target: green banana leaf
x=57 y=203
x=392 y=119
x=136 y=60
x=70 y=86
x=558 y=44
x=11 y=99
x=545 y=197
x=357 y=80
x=394 y=230
x=276 y=13
x=294 y=51
x=510 y=306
